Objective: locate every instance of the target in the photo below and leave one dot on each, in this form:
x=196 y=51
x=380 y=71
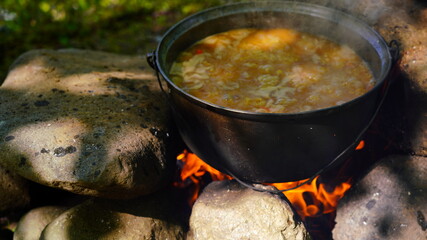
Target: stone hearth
x=87 y=149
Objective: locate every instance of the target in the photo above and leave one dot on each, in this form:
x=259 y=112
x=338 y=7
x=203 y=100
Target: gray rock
x=149 y=217
x=227 y=210
x=388 y=203
x=13 y=190
x=92 y=123
x=31 y=225
x=408 y=25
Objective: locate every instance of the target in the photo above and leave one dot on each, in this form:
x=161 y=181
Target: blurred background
x=118 y=26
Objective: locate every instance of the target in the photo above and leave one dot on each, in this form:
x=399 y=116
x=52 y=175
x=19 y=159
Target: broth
x=271 y=70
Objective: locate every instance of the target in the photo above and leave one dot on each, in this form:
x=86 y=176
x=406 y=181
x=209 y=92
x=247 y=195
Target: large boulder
x=388 y=203
x=156 y=216
x=227 y=210
x=13 y=190
x=89 y=122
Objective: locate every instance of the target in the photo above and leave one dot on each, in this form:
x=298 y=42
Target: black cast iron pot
x=273 y=147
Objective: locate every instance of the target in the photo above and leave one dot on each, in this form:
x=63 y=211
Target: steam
x=300 y=16
x=370 y=11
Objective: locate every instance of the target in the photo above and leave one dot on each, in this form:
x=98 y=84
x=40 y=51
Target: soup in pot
x=271 y=70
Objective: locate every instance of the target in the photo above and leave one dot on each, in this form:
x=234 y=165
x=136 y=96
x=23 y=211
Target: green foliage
x=122 y=26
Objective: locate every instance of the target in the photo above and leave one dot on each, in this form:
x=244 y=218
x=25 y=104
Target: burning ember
x=309 y=200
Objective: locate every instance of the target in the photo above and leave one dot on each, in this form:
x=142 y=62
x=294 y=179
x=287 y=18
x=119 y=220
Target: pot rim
x=310 y=9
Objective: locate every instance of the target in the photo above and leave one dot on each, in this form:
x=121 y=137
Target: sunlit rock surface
x=92 y=123
x=227 y=210
x=148 y=217
x=388 y=203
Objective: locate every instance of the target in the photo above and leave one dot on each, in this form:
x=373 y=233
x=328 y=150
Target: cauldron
x=273 y=147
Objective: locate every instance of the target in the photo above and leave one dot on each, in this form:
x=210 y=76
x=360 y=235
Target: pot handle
x=395 y=54
x=151 y=59
x=251 y=186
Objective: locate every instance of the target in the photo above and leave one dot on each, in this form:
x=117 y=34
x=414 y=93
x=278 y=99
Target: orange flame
x=309 y=200
x=194 y=168
x=313 y=199
x=361 y=145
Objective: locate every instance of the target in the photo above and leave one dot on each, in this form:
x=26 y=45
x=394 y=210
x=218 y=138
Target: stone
x=227 y=210
x=407 y=23
x=148 y=217
x=31 y=225
x=13 y=191
x=388 y=203
x=92 y=123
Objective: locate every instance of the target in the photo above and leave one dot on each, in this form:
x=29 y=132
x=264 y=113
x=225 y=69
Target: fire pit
x=386 y=204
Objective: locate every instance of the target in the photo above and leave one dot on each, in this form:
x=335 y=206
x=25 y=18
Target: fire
x=309 y=200
x=192 y=172
x=313 y=199
x=361 y=145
